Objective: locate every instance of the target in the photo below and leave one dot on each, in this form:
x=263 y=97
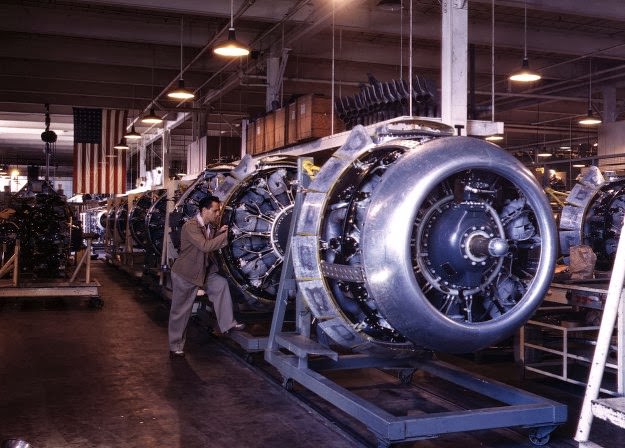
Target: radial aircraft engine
x=44 y=223
x=258 y=198
x=422 y=241
x=593 y=216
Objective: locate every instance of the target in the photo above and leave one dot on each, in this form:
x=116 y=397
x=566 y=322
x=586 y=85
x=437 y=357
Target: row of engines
x=419 y=240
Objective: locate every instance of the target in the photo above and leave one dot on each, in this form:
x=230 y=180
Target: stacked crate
x=260 y=136
x=250 y=138
x=270 y=136
x=305 y=119
x=280 y=128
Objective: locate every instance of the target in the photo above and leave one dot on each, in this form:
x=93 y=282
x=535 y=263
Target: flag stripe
x=98 y=167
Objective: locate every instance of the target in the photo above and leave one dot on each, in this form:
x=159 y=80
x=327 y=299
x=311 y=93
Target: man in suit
x=195 y=267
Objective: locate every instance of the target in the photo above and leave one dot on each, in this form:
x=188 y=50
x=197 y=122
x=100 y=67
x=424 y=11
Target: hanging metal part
x=49 y=138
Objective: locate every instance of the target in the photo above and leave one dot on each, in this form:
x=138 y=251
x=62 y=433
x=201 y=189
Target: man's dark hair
x=207 y=202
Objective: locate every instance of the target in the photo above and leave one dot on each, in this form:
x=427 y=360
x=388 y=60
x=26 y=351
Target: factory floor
x=74 y=376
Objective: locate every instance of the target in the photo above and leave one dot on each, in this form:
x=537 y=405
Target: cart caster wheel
x=248 y=358
x=539 y=440
x=96 y=302
x=288 y=384
x=405 y=376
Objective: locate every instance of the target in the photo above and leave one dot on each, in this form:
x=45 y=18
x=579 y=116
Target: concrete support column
x=273 y=82
x=166 y=156
x=454 y=63
x=142 y=155
x=609 y=104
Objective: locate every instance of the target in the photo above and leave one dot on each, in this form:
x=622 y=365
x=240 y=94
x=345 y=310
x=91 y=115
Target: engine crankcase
x=446 y=244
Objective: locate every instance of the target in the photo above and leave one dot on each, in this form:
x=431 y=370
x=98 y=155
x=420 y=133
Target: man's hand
x=223 y=229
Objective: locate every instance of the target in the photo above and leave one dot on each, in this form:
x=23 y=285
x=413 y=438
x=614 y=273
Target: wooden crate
x=313 y=117
x=270 y=142
x=260 y=136
x=280 y=128
x=291 y=126
x=250 y=140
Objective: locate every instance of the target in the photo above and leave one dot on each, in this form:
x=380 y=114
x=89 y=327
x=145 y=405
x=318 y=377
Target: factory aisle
x=72 y=376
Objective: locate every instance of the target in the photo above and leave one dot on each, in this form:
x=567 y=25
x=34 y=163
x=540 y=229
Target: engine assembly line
x=400 y=245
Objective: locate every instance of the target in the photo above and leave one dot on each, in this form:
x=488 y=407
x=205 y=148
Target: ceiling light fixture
x=590 y=119
x=544 y=153
x=133 y=134
x=151 y=118
x=525 y=74
x=121 y=145
x=578 y=165
x=181 y=92
x=232 y=47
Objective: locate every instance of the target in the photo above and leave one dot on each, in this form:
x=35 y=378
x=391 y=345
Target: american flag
x=98 y=167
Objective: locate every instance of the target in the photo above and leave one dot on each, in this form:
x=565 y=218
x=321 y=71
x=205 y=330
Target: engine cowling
x=444 y=243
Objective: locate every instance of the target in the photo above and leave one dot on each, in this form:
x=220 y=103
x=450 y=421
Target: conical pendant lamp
x=181 y=92
x=231 y=47
x=121 y=145
x=590 y=119
x=525 y=74
x=133 y=134
x=151 y=118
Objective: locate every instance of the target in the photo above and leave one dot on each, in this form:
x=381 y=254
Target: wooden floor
x=73 y=376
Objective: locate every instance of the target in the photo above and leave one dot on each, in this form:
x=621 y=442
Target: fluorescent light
x=578 y=165
x=27 y=131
